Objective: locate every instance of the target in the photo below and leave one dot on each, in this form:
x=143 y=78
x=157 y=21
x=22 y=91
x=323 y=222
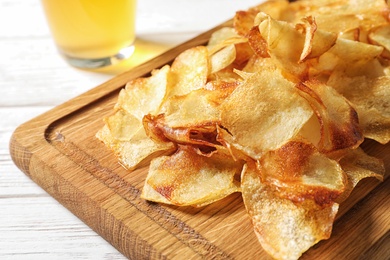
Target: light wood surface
x=34 y=79
x=58 y=151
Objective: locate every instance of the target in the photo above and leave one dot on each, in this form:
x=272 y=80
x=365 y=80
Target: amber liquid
x=91 y=29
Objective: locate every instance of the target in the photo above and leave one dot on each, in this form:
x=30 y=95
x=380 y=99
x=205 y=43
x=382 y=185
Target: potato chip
x=243 y=21
x=124 y=132
x=191 y=118
x=299 y=172
x=263 y=113
x=349 y=15
x=201 y=137
x=136 y=152
x=317 y=42
x=200 y=107
x=186 y=178
x=122 y=125
x=286 y=51
x=222 y=38
x=189 y=71
x=371 y=98
x=339 y=121
x=144 y=95
x=358 y=165
x=285 y=229
x=223 y=58
x=381 y=36
x=351 y=57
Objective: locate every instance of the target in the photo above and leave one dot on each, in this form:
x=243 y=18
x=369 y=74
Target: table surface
x=34 y=79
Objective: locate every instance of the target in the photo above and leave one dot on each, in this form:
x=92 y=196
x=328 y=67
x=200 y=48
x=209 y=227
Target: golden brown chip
x=317 y=42
x=191 y=118
x=338 y=120
x=263 y=113
x=187 y=178
x=286 y=51
x=122 y=125
x=351 y=57
x=243 y=21
x=339 y=15
x=143 y=96
x=203 y=137
x=222 y=58
x=298 y=172
x=285 y=229
x=381 y=36
x=136 y=152
x=189 y=71
x=258 y=43
x=222 y=38
x=358 y=165
x=371 y=98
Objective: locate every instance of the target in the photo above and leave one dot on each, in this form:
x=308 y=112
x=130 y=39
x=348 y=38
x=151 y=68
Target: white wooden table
x=33 y=79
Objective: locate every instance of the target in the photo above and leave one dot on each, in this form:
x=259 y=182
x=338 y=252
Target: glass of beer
x=92 y=34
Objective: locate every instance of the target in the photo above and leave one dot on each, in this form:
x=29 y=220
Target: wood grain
x=59 y=152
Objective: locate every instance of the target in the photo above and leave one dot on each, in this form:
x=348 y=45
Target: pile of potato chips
x=275 y=107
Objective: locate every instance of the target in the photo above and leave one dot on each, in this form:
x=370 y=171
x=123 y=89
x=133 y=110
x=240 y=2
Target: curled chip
x=297 y=171
x=275 y=107
x=339 y=122
x=177 y=177
x=285 y=229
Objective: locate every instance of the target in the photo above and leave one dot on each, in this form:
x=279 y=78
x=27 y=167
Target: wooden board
x=58 y=150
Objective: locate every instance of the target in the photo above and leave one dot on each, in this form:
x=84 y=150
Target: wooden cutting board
x=58 y=150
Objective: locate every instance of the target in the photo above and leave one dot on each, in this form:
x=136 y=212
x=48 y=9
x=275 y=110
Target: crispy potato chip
x=299 y=172
x=222 y=38
x=286 y=51
x=264 y=113
x=200 y=107
x=258 y=43
x=122 y=125
x=339 y=121
x=317 y=42
x=223 y=58
x=124 y=132
x=191 y=118
x=189 y=71
x=339 y=15
x=351 y=51
x=358 y=165
x=144 y=95
x=136 y=152
x=351 y=57
x=243 y=21
x=371 y=98
x=202 y=137
x=223 y=47
x=218 y=37
x=274 y=8
x=257 y=63
x=186 y=178
x=380 y=36
x=285 y=229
